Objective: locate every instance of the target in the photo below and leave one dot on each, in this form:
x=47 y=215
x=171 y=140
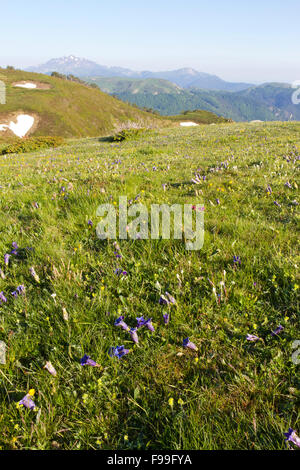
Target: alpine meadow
x=149 y=248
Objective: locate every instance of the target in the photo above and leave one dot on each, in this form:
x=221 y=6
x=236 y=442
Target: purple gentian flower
x=277 y=204
x=218 y=201
x=87 y=361
x=148 y=324
x=134 y=336
x=237 y=260
x=171 y=299
x=166 y=318
x=6 y=259
x=163 y=300
x=188 y=344
x=20 y=290
x=291 y=436
x=118 y=351
x=252 y=338
x=140 y=322
x=2 y=298
x=167 y=299
x=120 y=322
x=28 y=402
x=277 y=331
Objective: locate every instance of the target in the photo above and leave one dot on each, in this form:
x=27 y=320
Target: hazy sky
x=239 y=40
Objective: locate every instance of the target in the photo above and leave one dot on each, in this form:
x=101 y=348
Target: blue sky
x=239 y=40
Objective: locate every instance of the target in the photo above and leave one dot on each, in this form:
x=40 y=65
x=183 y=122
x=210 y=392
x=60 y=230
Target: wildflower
x=90 y=223
x=291 y=436
x=118 y=351
x=167 y=299
x=50 y=368
x=218 y=201
x=2 y=275
x=188 y=344
x=6 y=259
x=288 y=184
x=236 y=260
x=277 y=204
x=27 y=401
x=140 y=322
x=65 y=313
x=277 y=331
x=34 y=275
x=3 y=299
x=166 y=318
x=171 y=402
x=269 y=189
x=148 y=324
x=20 y=290
x=87 y=361
x=252 y=338
x=180 y=402
x=15 y=248
x=134 y=335
x=35 y=205
x=120 y=322
x=163 y=300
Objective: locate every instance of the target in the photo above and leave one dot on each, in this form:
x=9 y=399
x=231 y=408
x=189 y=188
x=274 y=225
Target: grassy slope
x=199 y=116
x=70 y=109
x=131 y=85
x=236 y=395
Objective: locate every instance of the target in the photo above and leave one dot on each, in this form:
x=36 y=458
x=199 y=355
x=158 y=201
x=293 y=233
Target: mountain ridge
x=185 y=77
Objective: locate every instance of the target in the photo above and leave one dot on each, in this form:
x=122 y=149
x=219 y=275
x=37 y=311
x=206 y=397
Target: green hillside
x=199 y=116
x=133 y=85
x=67 y=108
x=269 y=102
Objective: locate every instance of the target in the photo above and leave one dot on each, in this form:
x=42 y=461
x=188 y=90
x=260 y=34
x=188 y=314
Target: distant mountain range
x=268 y=102
x=173 y=92
x=185 y=77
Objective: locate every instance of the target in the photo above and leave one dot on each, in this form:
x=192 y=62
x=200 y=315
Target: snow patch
x=188 y=124
x=26 y=85
x=21 y=127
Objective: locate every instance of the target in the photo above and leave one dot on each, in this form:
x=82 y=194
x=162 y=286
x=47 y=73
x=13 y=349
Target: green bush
x=32 y=144
x=127 y=134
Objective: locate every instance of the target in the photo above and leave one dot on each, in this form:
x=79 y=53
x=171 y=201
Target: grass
x=69 y=109
x=230 y=394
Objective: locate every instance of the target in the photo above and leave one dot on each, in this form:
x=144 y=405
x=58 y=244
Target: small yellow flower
x=255 y=326
x=196 y=360
x=125 y=437
x=171 y=402
x=180 y=402
x=98 y=442
x=31 y=392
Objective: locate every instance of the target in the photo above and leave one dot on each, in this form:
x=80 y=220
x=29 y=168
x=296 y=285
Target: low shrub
x=32 y=144
x=127 y=134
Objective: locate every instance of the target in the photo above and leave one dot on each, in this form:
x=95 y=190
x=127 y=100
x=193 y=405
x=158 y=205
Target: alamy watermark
x=2 y=93
x=188 y=222
x=296 y=94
